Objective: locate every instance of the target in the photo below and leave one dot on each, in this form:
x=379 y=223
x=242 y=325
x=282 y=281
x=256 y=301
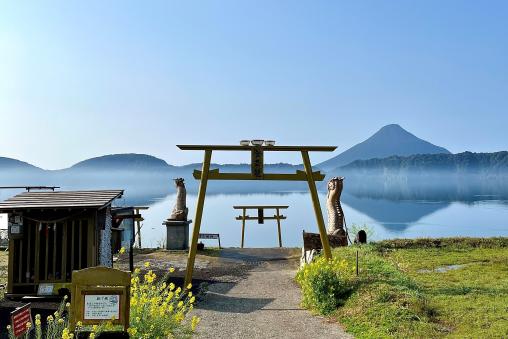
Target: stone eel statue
x=335 y=212
x=180 y=210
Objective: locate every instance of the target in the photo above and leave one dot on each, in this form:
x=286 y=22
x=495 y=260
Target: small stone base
x=177 y=234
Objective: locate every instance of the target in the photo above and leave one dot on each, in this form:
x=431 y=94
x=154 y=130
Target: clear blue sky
x=85 y=78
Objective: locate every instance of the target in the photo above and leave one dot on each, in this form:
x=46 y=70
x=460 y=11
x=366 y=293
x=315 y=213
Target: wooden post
x=278 y=227
x=138 y=225
x=243 y=227
x=197 y=219
x=317 y=206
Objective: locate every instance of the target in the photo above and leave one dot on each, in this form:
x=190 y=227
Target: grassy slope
x=394 y=298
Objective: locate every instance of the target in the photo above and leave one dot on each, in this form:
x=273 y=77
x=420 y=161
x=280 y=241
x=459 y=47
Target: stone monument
x=335 y=212
x=177 y=225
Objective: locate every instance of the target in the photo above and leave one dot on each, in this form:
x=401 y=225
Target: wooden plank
x=248 y=148
x=28 y=254
x=317 y=207
x=278 y=217
x=90 y=242
x=313 y=241
x=80 y=243
x=73 y=247
x=10 y=275
x=243 y=226
x=55 y=247
x=256 y=162
x=64 y=251
x=282 y=217
x=239 y=207
x=298 y=176
x=20 y=261
x=61 y=199
x=197 y=220
x=38 y=229
x=46 y=258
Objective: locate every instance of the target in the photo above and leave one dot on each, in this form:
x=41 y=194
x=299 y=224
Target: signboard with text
x=101 y=307
x=19 y=318
x=100 y=294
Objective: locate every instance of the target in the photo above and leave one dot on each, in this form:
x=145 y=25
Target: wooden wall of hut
x=49 y=252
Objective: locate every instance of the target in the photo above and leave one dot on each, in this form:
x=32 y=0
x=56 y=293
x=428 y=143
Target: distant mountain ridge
x=388 y=141
x=134 y=162
x=9 y=164
x=127 y=161
x=466 y=162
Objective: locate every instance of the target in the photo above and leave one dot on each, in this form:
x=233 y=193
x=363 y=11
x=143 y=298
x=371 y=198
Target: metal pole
x=197 y=219
x=243 y=227
x=278 y=227
x=317 y=206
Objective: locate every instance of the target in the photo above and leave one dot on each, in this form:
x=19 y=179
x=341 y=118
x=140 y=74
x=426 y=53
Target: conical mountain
x=389 y=140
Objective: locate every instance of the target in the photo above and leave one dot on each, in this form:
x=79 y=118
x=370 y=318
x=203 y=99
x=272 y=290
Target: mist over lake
x=402 y=206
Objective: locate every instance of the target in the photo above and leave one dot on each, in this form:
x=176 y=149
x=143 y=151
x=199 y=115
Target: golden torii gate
x=257 y=173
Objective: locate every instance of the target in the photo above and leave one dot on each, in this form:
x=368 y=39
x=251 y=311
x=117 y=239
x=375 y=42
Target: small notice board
x=100 y=294
x=19 y=318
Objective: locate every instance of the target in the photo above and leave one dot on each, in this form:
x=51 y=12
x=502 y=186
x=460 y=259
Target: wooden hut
x=53 y=233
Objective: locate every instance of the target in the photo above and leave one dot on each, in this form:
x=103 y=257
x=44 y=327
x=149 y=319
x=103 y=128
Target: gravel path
x=263 y=304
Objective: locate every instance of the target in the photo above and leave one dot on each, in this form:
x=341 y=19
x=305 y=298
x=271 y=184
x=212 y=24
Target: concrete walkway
x=264 y=304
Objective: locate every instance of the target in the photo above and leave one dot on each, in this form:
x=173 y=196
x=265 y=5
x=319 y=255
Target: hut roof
x=61 y=199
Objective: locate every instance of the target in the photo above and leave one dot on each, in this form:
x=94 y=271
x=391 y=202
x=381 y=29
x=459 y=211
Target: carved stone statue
x=335 y=212
x=180 y=210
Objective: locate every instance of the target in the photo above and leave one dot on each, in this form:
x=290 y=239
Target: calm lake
x=385 y=218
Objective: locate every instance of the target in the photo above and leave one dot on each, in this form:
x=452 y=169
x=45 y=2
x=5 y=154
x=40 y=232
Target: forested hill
x=466 y=162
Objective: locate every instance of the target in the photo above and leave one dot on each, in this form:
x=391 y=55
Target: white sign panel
x=45 y=289
x=101 y=307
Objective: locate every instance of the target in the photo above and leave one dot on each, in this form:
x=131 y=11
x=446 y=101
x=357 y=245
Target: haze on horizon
x=83 y=79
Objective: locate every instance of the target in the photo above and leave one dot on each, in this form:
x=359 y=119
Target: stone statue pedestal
x=177 y=234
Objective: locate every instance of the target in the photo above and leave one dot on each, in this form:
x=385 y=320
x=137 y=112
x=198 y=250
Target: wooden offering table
x=260 y=217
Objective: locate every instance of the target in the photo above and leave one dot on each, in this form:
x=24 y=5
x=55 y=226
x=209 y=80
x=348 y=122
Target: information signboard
x=19 y=318
x=101 y=307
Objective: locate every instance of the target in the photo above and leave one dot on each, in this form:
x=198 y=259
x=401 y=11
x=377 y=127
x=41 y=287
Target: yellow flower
x=122 y=250
x=194 y=322
x=50 y=319
x=189 y=294
x=147 y=264
x=180 y=304
x=91 y=336
x=189 y=286
x=171 y=269
x=60 y=321
x=192 y=300
x=79 y=324
x=68 y=305
x=37 y=322
x=137 y=270
x=28 y=325
x=94 y=328
x=132 y=331
x=8 y=327
x=38 y=316
x=171 y=286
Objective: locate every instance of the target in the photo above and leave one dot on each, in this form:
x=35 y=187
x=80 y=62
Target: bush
x=325 y=284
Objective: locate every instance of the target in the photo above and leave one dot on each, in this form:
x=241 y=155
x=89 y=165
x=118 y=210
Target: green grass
x=399 y=294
